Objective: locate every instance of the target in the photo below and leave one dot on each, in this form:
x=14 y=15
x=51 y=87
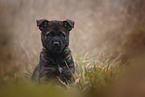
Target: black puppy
x=55 y=52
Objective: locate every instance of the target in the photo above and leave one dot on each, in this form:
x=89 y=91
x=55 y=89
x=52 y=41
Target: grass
x=92 y=79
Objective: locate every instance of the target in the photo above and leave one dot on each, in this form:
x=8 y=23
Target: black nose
x=55 y=43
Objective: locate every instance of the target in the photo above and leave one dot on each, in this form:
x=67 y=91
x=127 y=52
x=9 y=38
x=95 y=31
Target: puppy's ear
x=69 y=24
x=42 y=24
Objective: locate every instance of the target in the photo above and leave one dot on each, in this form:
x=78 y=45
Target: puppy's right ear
x=42 y=24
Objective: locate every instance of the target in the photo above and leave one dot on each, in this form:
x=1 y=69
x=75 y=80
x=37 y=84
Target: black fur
x=55 y=51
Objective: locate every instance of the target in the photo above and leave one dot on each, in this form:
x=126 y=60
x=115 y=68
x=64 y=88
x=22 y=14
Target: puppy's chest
x=57 y=63
x=54 y=61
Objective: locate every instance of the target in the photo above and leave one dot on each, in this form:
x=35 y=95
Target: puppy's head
x=55 y=34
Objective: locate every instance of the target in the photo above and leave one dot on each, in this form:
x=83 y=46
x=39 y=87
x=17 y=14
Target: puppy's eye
x=50 y=33
x=61 y=34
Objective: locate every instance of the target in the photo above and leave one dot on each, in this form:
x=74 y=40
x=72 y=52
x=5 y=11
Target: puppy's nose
x=55 y=43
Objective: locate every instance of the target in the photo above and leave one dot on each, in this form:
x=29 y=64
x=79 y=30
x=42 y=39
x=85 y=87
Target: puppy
x=55 y=58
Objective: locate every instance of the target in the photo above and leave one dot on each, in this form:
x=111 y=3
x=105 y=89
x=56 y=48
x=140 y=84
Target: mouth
x=56 y=49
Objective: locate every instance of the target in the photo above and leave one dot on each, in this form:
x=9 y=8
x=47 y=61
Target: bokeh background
x=103 y=29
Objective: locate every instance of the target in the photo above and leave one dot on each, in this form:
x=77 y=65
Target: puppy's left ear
x=69 y=24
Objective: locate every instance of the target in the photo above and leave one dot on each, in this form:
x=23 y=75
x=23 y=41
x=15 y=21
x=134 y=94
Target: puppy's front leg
x=47 y=73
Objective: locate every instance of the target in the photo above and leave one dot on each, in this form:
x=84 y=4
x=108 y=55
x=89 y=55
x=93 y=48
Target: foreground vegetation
x=92 y=79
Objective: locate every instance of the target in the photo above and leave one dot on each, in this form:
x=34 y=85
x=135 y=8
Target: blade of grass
x=69 y=70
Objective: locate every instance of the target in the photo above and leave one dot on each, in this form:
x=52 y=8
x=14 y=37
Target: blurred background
x=103 y=29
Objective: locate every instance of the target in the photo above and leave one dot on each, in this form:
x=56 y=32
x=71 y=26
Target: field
x=107 y=43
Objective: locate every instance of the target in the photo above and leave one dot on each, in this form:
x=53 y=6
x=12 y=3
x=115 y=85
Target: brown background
x=103 y=28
